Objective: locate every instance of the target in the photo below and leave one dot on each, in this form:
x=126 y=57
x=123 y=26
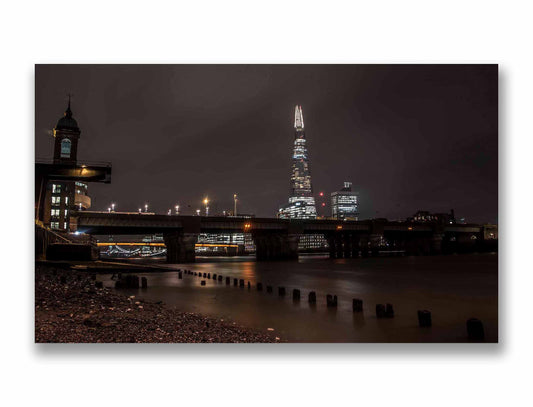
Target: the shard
x=301 y=203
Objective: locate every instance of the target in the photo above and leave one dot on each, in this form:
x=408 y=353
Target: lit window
x=65 y=148
x=54 y=212
x=56 y=188
x=66 y=213
x=64 y=225
x=54 y=225
x=66 y=200
x=56 y=200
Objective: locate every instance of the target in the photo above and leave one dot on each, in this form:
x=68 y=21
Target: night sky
x=408 y=137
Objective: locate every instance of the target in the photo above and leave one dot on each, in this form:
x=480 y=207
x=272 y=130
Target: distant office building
x=64 y=196
x=301 y=203
x=345 y=203
x=243 y=240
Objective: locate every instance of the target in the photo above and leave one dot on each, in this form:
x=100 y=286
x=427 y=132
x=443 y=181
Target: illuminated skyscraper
x=344 y=203
x=301 y=201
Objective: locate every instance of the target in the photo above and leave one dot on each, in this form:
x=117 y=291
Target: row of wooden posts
x=474 y=326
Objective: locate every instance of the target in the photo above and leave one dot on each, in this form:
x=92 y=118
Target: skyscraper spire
x=298 y=117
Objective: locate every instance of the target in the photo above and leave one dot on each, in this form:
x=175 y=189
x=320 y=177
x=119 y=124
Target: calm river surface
x=454 y=288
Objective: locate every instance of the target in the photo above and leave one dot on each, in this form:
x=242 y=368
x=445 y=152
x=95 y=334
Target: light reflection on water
x=453 y=288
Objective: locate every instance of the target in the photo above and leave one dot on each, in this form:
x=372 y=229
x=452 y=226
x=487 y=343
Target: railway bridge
x=277 y=239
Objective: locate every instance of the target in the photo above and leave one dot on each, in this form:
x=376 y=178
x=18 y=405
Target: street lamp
x=169 y=212
x=206 y=201
x=234 y=204
x=108 y=209
x=197 y=212
x=146 y=207
x=177 y=207
x=113 y=207
x=140 y=210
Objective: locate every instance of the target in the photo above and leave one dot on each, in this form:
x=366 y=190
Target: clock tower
x=66 y=135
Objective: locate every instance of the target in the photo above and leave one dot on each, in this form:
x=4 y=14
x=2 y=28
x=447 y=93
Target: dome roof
x=67 y=122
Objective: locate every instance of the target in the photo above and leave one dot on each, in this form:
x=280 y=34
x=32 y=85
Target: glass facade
x=240 y=239
x=301 y=203
x=345 y=203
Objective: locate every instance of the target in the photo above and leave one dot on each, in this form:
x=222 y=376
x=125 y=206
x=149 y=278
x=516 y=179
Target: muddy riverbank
x=70 y=307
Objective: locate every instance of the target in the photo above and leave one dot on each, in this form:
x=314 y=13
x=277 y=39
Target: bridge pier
x=180 y=247
x=276 y=246
x=347 y=246
x=355 y=246
x=375 y=240
x=436 y=243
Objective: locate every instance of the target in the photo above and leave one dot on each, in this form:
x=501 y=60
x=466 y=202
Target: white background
x=274 y=31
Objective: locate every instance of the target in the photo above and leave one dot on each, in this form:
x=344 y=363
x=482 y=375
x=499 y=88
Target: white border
x=285 y=32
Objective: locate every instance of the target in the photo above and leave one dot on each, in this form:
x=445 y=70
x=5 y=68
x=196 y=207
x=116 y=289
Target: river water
x=454 y=288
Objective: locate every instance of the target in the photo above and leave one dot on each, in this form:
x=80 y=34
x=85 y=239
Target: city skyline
x=165 y=157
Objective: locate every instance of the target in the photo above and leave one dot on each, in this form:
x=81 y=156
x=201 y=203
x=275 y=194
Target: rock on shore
x=70 y=309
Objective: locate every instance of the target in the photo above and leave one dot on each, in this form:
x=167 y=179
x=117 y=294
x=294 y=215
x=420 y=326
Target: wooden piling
x=474 y=328
x=389 y=312
x=424 y=318
x=380 y=311
x=296 y=294
x=331 y=300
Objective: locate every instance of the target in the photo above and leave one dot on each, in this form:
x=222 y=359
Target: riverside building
x=64 y=196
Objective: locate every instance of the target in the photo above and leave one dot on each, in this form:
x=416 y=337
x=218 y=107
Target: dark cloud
x=408 y=137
